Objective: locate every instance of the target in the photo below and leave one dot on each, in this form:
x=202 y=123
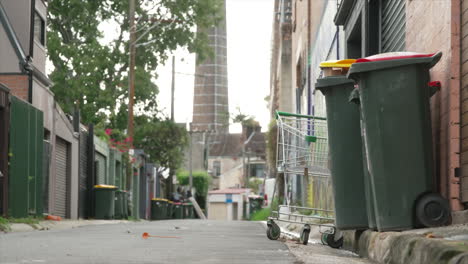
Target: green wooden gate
x=26 y=151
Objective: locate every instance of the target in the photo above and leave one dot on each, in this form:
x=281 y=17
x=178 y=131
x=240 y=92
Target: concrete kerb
x=61 y=225
x=403 y=247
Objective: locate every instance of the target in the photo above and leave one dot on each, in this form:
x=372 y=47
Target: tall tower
x=210 y=97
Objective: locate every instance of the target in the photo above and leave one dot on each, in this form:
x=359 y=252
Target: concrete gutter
x=429 y=246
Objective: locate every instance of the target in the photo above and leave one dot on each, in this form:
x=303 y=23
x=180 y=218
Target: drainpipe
x=31 y=50
x=454 y=102
x=309 y=37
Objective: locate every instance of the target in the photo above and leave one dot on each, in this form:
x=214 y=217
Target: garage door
x=62 y=178
x=217 y=211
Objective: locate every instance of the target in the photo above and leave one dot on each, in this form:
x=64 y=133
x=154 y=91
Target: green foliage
x=90 y=69
x=201 y=182
x=4 y=225
x=261 y=215
x=254 y=184
x=163 y=140
x=243 y=119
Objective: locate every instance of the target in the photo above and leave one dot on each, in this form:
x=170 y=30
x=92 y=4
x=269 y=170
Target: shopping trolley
x=303 y=151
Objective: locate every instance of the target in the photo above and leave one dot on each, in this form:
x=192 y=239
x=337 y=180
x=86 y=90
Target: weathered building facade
x=355 y=29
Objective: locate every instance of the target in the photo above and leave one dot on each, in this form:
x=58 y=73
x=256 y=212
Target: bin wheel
x=273 y=231
x=432 y=210
x=323 y=238
x=305 y=236
x=330 y=238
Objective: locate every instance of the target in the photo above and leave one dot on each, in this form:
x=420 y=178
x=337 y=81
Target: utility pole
x=131 y=70
x=190 y=160
x=172 y=88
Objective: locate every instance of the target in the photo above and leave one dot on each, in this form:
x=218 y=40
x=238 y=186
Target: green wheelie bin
x=189 y=211
x=104 y=201
x=354 y=98
x=170 y=209
x=119 y=205
x=125 y=204
x=178 y=211
x=345 y=144
x=394 y=94
x=158 y=209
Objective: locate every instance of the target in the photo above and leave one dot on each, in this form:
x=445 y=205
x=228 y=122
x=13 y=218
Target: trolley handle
x=279 y=113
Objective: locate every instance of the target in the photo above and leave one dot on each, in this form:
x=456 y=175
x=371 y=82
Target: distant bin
x=345 y=143
x=178 y=211
x=394 y=94
x=170 y=209
x=104 y=201
x=255 y=204
x=189 y=211
x=158 y=209
x=119 y=205
x=125 y=197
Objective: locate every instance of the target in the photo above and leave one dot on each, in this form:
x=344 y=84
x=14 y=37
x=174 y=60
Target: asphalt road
x=196 y=242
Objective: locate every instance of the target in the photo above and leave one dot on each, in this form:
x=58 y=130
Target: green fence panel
x=26 y=150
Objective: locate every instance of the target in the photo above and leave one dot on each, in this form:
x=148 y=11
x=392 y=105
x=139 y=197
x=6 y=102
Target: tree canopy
x=88 y=43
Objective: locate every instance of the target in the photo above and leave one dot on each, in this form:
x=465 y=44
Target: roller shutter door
x=62 y=178
x=393 y=25
x=100 y=168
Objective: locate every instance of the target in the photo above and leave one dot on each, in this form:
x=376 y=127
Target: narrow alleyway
x=196 y=242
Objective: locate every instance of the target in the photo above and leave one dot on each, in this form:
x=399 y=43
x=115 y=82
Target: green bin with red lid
x=394 y=94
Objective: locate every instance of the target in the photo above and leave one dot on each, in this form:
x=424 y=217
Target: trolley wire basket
x=302 y=146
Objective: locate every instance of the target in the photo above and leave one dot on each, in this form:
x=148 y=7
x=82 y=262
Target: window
x=257 y=170
x=216 y=168
x=39 y=29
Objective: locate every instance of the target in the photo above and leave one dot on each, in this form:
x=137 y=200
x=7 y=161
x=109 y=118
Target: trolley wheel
x=432 y=210
x=273 y=230
x=323 y=238
x=305 y=235
x=330 y=238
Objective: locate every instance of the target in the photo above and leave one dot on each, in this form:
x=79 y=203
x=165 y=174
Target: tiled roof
x=231 y=145
x=230 y=191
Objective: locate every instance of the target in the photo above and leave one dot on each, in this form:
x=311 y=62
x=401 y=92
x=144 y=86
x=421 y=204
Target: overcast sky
x=249 y=25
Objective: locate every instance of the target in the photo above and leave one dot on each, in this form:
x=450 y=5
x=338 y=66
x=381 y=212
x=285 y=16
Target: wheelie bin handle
x=435 y=59
x=434 y=87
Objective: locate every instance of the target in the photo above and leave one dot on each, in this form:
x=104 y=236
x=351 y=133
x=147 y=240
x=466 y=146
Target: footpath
x=60 y=225
x=443 y=245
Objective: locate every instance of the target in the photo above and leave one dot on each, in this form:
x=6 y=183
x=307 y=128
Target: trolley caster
x=273 y=230
x=305 y=231
x=432 y=210
x=329 y=240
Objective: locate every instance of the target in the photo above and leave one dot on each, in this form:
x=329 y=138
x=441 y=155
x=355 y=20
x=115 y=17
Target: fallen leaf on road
x=146 y=236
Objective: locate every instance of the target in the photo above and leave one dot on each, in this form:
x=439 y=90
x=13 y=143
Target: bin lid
x=159 y=199
x=332 y=81
x=337 y=63
x=392 y=60
x=104 y=186
x=394 y=56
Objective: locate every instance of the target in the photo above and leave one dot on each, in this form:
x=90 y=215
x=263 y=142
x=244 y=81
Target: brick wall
x=18 y=84
x=429 y=29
